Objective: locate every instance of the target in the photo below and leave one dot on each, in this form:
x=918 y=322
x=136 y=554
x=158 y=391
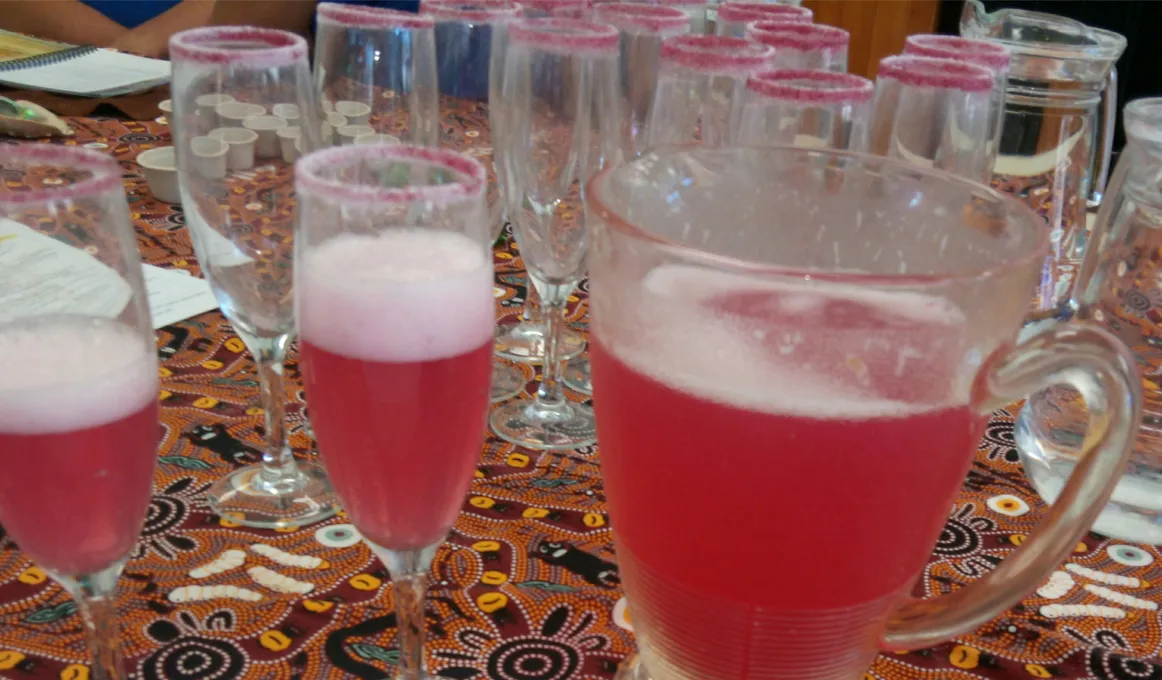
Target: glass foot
x=577 y=376
x=245 y=497
x=527 y=423
x=632 y=669
x=525 y=342
x=508 y=381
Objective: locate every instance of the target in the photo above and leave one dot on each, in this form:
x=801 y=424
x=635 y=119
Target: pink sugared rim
x=550 y=6
x=359 y=16
x=106 y=175
x=642 y=18
x=811 y=86
x=989 y=54
x=736 y=12
x=471 y=11
x=798 y=35
x=914 y=71
x=716 y=53
x=564 y=35
x=223 y=45
x=470 y=185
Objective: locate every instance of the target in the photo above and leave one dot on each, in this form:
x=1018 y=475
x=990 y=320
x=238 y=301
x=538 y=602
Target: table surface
x=525 y=586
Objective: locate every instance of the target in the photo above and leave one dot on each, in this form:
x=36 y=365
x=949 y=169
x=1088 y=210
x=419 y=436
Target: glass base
x=529 y=424
x=525 y=342
x=577 y=376
x=507 y=381
x=243 y=496
x=632 y=669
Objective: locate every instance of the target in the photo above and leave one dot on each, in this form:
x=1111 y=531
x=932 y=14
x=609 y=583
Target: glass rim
x=913 y=70
x=643 y=18
x=734 y=11
x=716 y=53
x=273 y=47
x=105 y=178
x=689 y=253
x=811 y=86
x=986 y=53
x=471 y=11
x=363 y=17
x=798 y=35
x=1105 y=44
x=554 y=5
x=558 y=33
x=469 y=186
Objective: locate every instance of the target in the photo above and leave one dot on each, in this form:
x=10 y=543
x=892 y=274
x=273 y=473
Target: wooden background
x=877 y=27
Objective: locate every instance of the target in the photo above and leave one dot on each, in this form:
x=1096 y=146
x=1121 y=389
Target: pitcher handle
x=1102 y=369
x=1109 y=95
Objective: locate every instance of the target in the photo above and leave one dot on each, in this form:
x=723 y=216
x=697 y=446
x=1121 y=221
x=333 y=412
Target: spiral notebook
x=34 y=64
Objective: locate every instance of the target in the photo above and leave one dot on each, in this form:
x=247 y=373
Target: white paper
x=175 y=296
x=98 y=73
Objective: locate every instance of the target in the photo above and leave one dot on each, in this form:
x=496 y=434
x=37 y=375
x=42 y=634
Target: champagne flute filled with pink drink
x=817 y=377
x=78 y=378
x=394 y=292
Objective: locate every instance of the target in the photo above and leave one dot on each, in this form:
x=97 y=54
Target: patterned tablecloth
x=526 y=586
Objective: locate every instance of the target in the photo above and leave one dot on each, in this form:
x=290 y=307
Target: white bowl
x=288 y=112
x=161 y=173
x=373 y=139
x=209 y=157
x=357 y=113
x=233 y=114
x=287 y=137
x=241 y=141
x=267 y=128
x=349 y=133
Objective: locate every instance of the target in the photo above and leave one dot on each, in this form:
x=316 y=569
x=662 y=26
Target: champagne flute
x=558 y=74
x=241 y=221
x=78 y=398
x=735 y=15
x=392 y=232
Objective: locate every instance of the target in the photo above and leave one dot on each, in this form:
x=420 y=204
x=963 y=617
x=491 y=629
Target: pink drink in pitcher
x=396 y=335
x=767 y=486
x=78 y=439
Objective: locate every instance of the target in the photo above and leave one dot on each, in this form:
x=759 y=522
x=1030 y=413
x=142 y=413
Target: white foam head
x=66 y=373
x=405 y=294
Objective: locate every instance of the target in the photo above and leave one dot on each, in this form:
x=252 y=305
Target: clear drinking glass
x=935 y=113
x=559 y=110
x=241 y=221
x=470 y=42
x=701 y=79
x=730 y=358
x=991 y=55
x=540 y=9
x=819 y=109
x=733 y=16
x=388 y=233
x=802 y=45
x=78 y=393
x=377 y=68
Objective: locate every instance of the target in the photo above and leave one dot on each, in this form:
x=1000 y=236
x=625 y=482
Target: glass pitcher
x=1057 y=133
x=1119 y=285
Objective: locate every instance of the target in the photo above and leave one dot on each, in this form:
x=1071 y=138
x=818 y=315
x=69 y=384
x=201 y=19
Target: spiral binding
x=46 y=59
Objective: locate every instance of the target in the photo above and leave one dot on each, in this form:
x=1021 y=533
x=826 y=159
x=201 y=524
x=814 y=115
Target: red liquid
x=757 y=544
x=75 y=501
x=399 y=439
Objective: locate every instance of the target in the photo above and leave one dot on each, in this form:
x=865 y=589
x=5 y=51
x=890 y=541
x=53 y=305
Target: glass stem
x=409 y=581
x=551 y=391
x=96 y=598
x=278 y=463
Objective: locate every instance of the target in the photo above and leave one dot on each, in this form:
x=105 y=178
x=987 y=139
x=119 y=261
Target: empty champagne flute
x=388 y=233
x=241 y=221
x=812 y=108
x=734 y=16
x=559 y=110
x=376 y=68
x=935 y=113
x=78 y=397
x=701 y=80
x=801 y=45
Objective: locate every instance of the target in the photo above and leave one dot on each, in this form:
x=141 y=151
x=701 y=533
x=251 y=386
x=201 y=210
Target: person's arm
x=288 y=15
x=68 y=21
x=151 y=39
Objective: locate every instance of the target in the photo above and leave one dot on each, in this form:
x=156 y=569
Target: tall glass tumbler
x=934 y=112
x=562 y=9
x=726 y=361
x=701 y=80
x=399 y=410
x=819 y=109
x=78 y=380
x=560 y=111
x=734 y=15
x=376 y=69
x=991 y=55
x=801 y=45
x=241 y=216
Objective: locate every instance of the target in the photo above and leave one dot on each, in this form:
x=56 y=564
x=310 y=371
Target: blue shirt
x=131 y=13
